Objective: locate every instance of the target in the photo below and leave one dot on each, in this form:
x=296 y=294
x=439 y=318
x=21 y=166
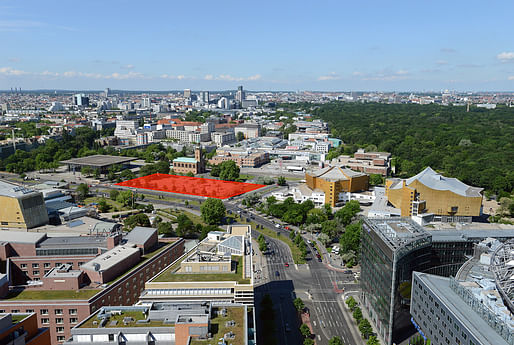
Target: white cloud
x=505 y=56
x=129 y=66
x=330 y=76
x=388 y=75
x=11 y=71
x=441 y=62
x=228 y=77
x=511 y=77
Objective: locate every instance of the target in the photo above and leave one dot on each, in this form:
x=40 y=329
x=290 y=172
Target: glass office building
x=391 y=250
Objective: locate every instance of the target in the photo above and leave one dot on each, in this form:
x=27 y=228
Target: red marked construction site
x=191 y=185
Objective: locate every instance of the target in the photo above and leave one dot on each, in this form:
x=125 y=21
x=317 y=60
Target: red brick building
x=60 y=310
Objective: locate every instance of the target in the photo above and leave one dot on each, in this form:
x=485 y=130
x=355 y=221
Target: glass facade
x=387 y=263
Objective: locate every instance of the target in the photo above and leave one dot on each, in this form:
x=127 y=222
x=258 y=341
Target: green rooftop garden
x=135 y=315
x=84 y=294
x=218 y=327
x=169 y=275
x=18 y=317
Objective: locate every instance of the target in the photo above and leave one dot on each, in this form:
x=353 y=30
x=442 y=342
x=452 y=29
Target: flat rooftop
x=21 y=237
x=110 y=258
x=227 y=320
x=397 y=232
x=440 y=287
x=13 y=190
x=98 y=160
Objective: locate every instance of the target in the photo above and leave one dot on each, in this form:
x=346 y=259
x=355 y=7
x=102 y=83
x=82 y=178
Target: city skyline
x=287 y=46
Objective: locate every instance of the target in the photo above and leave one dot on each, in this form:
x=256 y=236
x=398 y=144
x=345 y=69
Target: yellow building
x=20 y=207
x=430 y=192
x=335 y=180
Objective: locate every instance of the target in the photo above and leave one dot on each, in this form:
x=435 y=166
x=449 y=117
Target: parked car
x=277 y=274
x=286 y=264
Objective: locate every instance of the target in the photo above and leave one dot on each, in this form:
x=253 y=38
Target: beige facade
x=429 y=192
x=334 y=180
x=22 y=212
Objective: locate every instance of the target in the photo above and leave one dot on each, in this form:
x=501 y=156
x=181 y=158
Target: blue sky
x=263 y=45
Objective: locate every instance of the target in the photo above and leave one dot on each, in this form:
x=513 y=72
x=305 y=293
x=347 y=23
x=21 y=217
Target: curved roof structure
x=436 y=181
x=502 y=263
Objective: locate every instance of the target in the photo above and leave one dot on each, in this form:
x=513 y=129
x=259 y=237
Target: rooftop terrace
x=221 y=324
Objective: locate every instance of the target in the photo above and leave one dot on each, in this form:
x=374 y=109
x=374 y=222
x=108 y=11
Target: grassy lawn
x=135 y=315
x=195 y=218
x=52 y=294
x=172 y=199
x=112 y=203
x=18 y=317
x=169 y=276
x=219 y=329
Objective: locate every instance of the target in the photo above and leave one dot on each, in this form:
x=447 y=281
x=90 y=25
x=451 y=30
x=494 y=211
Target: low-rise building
x=243 y=160
x=65 y=279
x=335 y=181
x=217 y=270
x=21 y=329
x=249 y=130
x=167 y=323
x=186 y=165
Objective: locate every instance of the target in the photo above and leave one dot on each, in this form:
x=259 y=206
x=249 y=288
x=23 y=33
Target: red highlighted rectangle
x=191 y=185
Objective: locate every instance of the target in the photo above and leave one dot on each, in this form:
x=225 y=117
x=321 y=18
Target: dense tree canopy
x=213 y=211
x=475 y=147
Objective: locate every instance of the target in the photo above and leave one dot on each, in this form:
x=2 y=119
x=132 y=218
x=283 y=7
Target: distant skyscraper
x=240 y=95
x=81 y=100
x=204 y=96
x=107 y=92
x=187 y=93
x=146 y=102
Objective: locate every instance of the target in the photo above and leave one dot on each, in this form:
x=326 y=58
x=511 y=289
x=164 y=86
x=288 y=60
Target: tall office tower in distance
x=81 y=100
x=240 y=95
x=146 y=102
x=187 y=93
x=107 y=92
x=204 y=96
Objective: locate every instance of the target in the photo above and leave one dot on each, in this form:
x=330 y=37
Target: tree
x=349 y=210
x=184 y=225
x=82 y=191
x=139 y=219
x=351 y=238
x=103 y=206
x=213 y=211
x=335 y=341
x=372 y=340
x=281 y=181
x=86 y=171
x=324 y=239
x=229 y=171
x=298 y=304
x=190 y=174
x=316 y=216
x=357 y=314
x=308 y=341
x=305 y=330
x=376 y=179
x=351 y=303
x=365 y=328
x=165 y=228
x=240 y=136
x=125 y=198
x=127 y=174
x=113 y=194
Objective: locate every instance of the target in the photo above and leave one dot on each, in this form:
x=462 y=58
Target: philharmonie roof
x=336 y=174
x=436 y=181
x=13 y=190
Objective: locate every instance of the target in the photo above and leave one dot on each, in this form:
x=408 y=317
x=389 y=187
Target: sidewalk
x=350 y=321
